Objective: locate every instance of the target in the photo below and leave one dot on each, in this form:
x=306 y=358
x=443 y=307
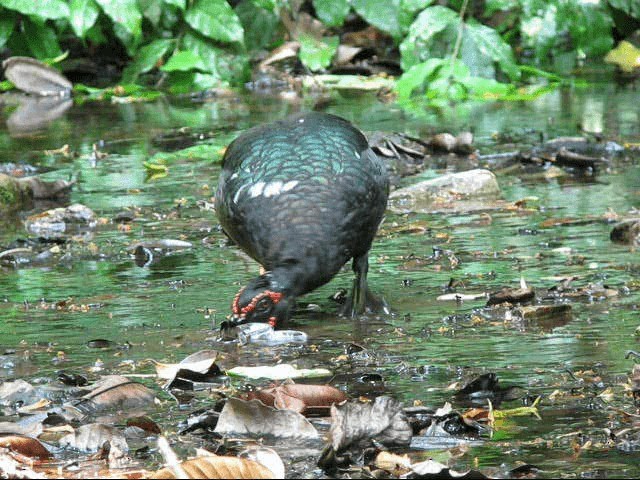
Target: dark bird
x=301 y=196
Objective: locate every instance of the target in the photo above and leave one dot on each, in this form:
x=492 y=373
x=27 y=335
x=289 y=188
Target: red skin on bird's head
x=242 y=312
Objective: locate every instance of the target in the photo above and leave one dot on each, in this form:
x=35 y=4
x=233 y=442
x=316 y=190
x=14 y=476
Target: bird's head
x=262 y=300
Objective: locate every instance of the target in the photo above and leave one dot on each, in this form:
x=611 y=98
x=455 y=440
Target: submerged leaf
x=91 y=437
x=254 y=418
x=115 y=392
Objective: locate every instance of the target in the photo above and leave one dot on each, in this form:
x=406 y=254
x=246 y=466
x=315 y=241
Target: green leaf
x=47 y=9
x=590 y=28
x=490 y=45
x=415 y=48
x=225 y=65
x=83 y=16
x=181 y=4
x=268 y=5
x=416 y=77
x=145 y=59
x=125 y=14
x=260 y=26
x=41 y=39
x=332 y=12
x=7 y=24
x=408 y=11
x=183 y=62
x=380 y=14
x=317 y=54
x=215 y=19
x=181 y=82
x=632 y=7
x=151 y=10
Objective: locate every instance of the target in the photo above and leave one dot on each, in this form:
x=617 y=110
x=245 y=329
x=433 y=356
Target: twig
x=456 y=48
x=170 y=458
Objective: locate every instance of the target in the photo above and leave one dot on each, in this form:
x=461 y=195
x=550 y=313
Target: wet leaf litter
x=480 y=415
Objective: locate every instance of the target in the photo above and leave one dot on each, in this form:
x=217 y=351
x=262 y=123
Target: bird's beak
x=229 y=328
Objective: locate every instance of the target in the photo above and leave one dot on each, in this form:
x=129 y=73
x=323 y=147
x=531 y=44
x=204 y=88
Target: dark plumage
x=301 y=196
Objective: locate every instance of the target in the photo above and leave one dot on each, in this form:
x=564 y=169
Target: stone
x=429 y=195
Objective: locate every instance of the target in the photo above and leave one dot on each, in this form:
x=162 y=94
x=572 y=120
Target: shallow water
x=160 y=311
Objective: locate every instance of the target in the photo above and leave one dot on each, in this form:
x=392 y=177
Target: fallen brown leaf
x=219 y=467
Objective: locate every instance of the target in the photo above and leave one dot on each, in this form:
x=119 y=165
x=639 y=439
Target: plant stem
x=456 y=48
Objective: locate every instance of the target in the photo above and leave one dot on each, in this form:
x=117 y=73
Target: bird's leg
x=362 y=301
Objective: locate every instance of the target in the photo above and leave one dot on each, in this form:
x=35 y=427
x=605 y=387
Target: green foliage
x=146 y=58
x=83 y=16
x=45 y=9
x=384 y=15
x=196 y=44
x=332 y=12
x=423 y=33
x=317 y=54
x=215 y=19
x=630 y=7
x=261 y=27
x=184 y=62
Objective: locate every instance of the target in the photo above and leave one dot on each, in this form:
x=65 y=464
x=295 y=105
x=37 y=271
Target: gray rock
x=429 y=195
x=59 y=220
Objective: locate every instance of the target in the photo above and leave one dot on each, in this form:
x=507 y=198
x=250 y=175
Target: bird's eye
x=263 y=304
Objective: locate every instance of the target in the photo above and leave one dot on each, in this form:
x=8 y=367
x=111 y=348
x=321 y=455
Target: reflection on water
x=166 y=311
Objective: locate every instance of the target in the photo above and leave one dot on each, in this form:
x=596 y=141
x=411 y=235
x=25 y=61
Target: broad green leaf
x=380 y=14
x=317 y=54
x=146 y=58
x=41 y=39
x=416 y=77
x=590 y=28
x=124 y=13
x=260 y=26
x=490 y=44
x=408 y=11
x=181 y=82
x=183 y=62
x=225 y=65
x=130 y=41
x=215 y=19
x=632 y=7
x=7 y=23
x=151 y=10
x=487 y=88
x=268 y=5
x=83 y=16
x=493 y=6
x=181 y=4
x=47 y=9
x=332 y=12
x=415 y=47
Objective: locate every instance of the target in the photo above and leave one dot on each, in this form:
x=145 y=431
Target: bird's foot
x=369 y=304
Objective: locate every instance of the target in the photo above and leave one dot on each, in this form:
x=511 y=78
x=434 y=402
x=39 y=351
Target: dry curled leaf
x=302 y=398
x=199 y=363
x=215 y=466
x=27 y=446
x=115 y=392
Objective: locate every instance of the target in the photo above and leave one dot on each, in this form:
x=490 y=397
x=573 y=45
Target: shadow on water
x=166 y=309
